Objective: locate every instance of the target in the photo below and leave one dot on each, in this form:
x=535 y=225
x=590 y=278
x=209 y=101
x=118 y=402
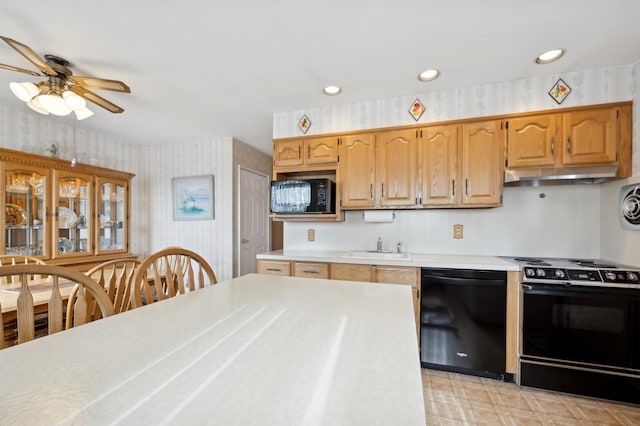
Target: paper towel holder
x=379 y=216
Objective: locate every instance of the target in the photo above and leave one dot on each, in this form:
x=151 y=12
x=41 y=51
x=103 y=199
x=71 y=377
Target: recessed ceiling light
x=428 y=75
x=332 y=90
x=550 y=56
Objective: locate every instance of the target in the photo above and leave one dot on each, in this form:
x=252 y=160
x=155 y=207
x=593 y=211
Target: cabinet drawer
x=274 y=267
x=397 y=275
x=351 y=272
x=311 y=270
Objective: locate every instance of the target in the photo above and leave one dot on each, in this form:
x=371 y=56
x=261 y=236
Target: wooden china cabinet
x=71 y=216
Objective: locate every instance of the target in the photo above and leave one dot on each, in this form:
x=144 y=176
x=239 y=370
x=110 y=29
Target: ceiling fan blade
x=98 y=100
x=12 y=68
x=32 y=56
x=100 y=83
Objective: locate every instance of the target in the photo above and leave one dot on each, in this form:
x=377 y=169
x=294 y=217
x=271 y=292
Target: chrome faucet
x=399 y=246
x=379 y=246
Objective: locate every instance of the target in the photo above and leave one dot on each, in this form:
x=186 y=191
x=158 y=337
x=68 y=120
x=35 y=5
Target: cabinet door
x=112 y=230
x=482 y=164
x=357 y=171
x=439 y=166
x=287 y=153
x=531 y=141
x=311 y=270
x=351 y=272
x=322 y=151
x=274 y=267
x=402 y=275
x=396 y=167
x=24 y=210
x=73 y=220
x=590 y=136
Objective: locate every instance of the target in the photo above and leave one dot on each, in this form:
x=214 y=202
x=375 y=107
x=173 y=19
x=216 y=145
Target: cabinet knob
x=244 y=241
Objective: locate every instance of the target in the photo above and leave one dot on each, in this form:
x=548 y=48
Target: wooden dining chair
x=54 y=277
x=116 y=276
x=17 y=259
x=169 y=272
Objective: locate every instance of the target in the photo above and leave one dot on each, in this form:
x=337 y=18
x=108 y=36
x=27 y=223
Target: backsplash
x=552 y=221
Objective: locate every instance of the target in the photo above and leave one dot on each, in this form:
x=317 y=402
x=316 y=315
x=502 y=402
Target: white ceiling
x=203 y=70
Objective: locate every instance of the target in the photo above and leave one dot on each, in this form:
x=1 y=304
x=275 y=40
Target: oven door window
x=588 y=325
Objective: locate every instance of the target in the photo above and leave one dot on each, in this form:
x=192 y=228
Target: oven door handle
x=532 y=286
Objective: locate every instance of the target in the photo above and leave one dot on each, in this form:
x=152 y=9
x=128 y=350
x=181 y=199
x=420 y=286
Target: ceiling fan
x=63 y=92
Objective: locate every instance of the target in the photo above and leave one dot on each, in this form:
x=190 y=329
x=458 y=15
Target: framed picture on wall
x=193 y=198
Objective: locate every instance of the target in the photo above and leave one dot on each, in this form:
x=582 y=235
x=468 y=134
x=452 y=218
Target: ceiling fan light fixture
x=35 y=105
x=24 y=91
x=54 y=104
x=550 y=56
x=73 y=101
x=82 y=113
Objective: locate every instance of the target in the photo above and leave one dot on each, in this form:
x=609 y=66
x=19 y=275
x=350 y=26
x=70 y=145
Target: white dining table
x=254 y=350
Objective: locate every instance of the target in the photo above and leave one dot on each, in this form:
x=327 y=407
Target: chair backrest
x=56 y=276
x=116 y=276
x=17 y=259
x=169 y=272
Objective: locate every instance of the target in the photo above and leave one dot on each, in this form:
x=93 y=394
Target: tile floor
x=458 y=399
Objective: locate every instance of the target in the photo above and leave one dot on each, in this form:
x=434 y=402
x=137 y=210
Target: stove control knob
x=559 y=273
x=611 y=276
x=632 y=276
x=530 y=272
x=540 y=273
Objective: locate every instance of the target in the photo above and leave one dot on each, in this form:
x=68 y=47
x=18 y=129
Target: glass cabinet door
x=112 y=210
x=73 y=217
x=25 y=210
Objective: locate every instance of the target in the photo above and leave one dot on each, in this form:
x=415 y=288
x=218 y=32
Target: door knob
x=244 y=241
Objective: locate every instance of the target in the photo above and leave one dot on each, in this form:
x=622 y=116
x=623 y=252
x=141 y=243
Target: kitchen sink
x=373 y=254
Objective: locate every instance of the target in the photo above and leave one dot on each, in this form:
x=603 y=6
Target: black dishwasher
x=462 y=321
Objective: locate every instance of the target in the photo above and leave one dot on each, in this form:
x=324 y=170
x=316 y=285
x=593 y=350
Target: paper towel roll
x=379 y=216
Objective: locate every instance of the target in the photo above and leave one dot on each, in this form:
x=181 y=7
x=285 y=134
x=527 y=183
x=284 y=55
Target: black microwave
x=303 y=196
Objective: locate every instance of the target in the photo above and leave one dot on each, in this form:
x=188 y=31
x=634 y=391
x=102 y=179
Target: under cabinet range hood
x=535 y=176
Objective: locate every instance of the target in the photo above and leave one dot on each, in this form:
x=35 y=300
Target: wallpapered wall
x=212 y=239
x=152 y=224
x=566 y=222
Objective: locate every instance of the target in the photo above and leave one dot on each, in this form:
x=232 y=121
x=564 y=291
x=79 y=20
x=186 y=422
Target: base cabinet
x=349 y=272
x=311 y=270
x=273 y=267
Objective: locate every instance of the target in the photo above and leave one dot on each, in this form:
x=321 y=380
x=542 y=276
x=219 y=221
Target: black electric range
x=585 y=272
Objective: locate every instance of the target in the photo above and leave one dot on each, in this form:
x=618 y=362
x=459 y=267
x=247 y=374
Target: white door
x=253 y=229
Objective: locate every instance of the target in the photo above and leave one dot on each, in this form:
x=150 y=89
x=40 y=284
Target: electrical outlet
x=457 y=231
x=311 y=234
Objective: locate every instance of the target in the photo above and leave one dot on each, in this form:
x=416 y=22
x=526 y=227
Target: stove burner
x=592 y=264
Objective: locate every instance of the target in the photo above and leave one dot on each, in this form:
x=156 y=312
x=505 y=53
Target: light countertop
x=255 y=350
x=423 y=260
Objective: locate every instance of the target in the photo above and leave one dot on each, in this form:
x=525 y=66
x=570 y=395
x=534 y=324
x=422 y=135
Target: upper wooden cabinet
x=481 y=175
x=590 y=136
x=357 y=171
x=461 y=165
x=438 y=165
x=532 y=140
x=396 y=168
x=300 y=152
x=379 y=170
x=581 y=137
x=71 y=216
